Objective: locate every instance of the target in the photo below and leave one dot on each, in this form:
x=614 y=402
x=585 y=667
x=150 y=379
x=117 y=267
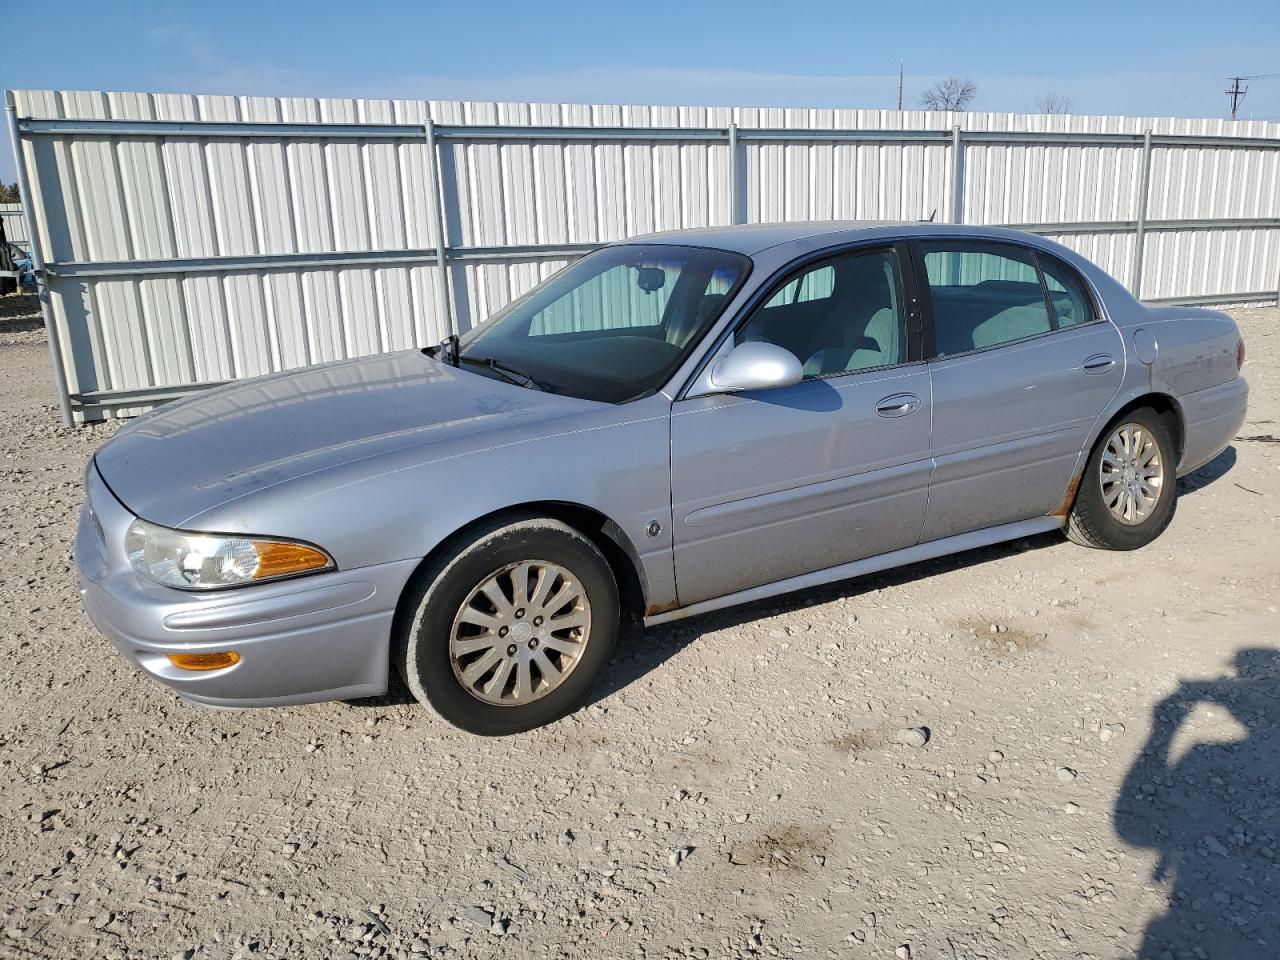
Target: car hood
x=188 y=457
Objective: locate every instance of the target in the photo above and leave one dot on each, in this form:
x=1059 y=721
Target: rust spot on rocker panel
x=653 y=609
x=1069 y=497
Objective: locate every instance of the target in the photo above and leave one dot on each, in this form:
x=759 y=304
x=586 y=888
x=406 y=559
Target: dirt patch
x=786 y=846
x=1001 y=640
x=862 y=741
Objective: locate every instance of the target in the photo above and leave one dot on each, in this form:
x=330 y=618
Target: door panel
x=1009 y=425
x=776 y=483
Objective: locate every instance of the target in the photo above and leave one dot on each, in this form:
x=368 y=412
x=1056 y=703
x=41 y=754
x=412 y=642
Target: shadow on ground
x=20 y=311
x=21 y=324
x=1211 y=814
x=641 y=651
x=1212 y=471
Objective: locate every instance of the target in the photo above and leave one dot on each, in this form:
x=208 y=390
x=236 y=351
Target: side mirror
x=756 y=366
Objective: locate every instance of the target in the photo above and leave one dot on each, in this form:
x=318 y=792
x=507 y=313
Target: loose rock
x=913 y=736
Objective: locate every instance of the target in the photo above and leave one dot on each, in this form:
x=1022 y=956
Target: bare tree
x=1053 y=103
x=949 y=94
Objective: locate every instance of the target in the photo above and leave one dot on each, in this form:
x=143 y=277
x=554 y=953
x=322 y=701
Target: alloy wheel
x=520 y=633
x=1131 y=473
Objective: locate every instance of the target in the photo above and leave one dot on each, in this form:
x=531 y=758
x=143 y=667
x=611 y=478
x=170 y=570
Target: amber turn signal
x=204 y=661
x=277 y=559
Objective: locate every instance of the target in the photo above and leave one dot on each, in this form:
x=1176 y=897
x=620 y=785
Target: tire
x=449 y=648
x=1093 y=522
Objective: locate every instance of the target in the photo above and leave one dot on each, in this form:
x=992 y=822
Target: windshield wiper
x=507 y=372
x=446 y=350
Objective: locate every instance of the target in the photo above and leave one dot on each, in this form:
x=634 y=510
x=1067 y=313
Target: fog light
x=204 y=661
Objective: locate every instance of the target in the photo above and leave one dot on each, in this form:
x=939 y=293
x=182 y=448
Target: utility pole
x=1236 y=93
x=899 y=86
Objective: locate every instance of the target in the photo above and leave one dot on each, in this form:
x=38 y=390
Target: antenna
x=899 y=86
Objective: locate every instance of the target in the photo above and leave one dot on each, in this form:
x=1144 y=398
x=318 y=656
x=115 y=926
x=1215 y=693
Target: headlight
x=203 y=561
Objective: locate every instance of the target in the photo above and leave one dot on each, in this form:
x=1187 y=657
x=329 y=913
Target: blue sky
x=1151 y=58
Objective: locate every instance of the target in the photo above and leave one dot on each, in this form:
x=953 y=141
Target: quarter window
x=1072 y=304
x=838 y=316
x=983 y=295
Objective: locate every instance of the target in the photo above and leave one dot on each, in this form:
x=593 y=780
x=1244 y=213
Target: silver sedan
x=668 y=426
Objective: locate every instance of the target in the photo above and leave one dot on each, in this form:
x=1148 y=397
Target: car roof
x=752 y=238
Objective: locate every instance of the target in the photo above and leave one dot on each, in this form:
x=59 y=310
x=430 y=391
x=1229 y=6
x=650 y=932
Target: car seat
x=861 y=329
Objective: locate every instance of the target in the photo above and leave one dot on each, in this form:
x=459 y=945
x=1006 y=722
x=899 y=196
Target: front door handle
x=899 y=405
x=1099 y=363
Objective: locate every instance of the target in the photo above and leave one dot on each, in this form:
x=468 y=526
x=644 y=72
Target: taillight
x=1239 y=354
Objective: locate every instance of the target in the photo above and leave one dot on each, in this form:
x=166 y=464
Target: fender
x=411 y=502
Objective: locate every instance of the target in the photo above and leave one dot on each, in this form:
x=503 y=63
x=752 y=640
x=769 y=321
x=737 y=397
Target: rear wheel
x=509 y=631
x=1128 y=492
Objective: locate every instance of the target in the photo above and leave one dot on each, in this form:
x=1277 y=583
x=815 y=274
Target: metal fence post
x=735 y=177
x=37 y=259
x=1278 y=281
x=444 y=300
x=1139 y=237
x=957 y=175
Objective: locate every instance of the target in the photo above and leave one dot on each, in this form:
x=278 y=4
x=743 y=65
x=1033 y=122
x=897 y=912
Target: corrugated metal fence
x=190 y=240
x=15 y=223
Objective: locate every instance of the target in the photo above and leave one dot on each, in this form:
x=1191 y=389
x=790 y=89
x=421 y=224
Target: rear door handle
x=898 y=405
x=1099 y=363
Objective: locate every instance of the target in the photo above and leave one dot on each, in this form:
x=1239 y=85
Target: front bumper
x=323 y=637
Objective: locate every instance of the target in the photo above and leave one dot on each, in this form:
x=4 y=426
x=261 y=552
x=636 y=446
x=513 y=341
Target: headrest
x=863 y=277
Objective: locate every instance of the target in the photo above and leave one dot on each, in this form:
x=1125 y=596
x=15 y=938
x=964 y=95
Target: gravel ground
x=1100 y=767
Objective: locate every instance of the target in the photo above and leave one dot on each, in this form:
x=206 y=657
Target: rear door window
x=983 y=295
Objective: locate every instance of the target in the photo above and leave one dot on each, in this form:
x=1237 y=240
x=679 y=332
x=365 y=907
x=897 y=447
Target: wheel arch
x=609 y=538
x=1169 y=411
x=1165 y=406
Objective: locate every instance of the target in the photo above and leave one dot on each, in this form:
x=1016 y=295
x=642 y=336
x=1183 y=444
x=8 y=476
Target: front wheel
x=1129 y=488
x=509 y=631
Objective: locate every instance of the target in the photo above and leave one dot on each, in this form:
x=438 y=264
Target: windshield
x=612 y=326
